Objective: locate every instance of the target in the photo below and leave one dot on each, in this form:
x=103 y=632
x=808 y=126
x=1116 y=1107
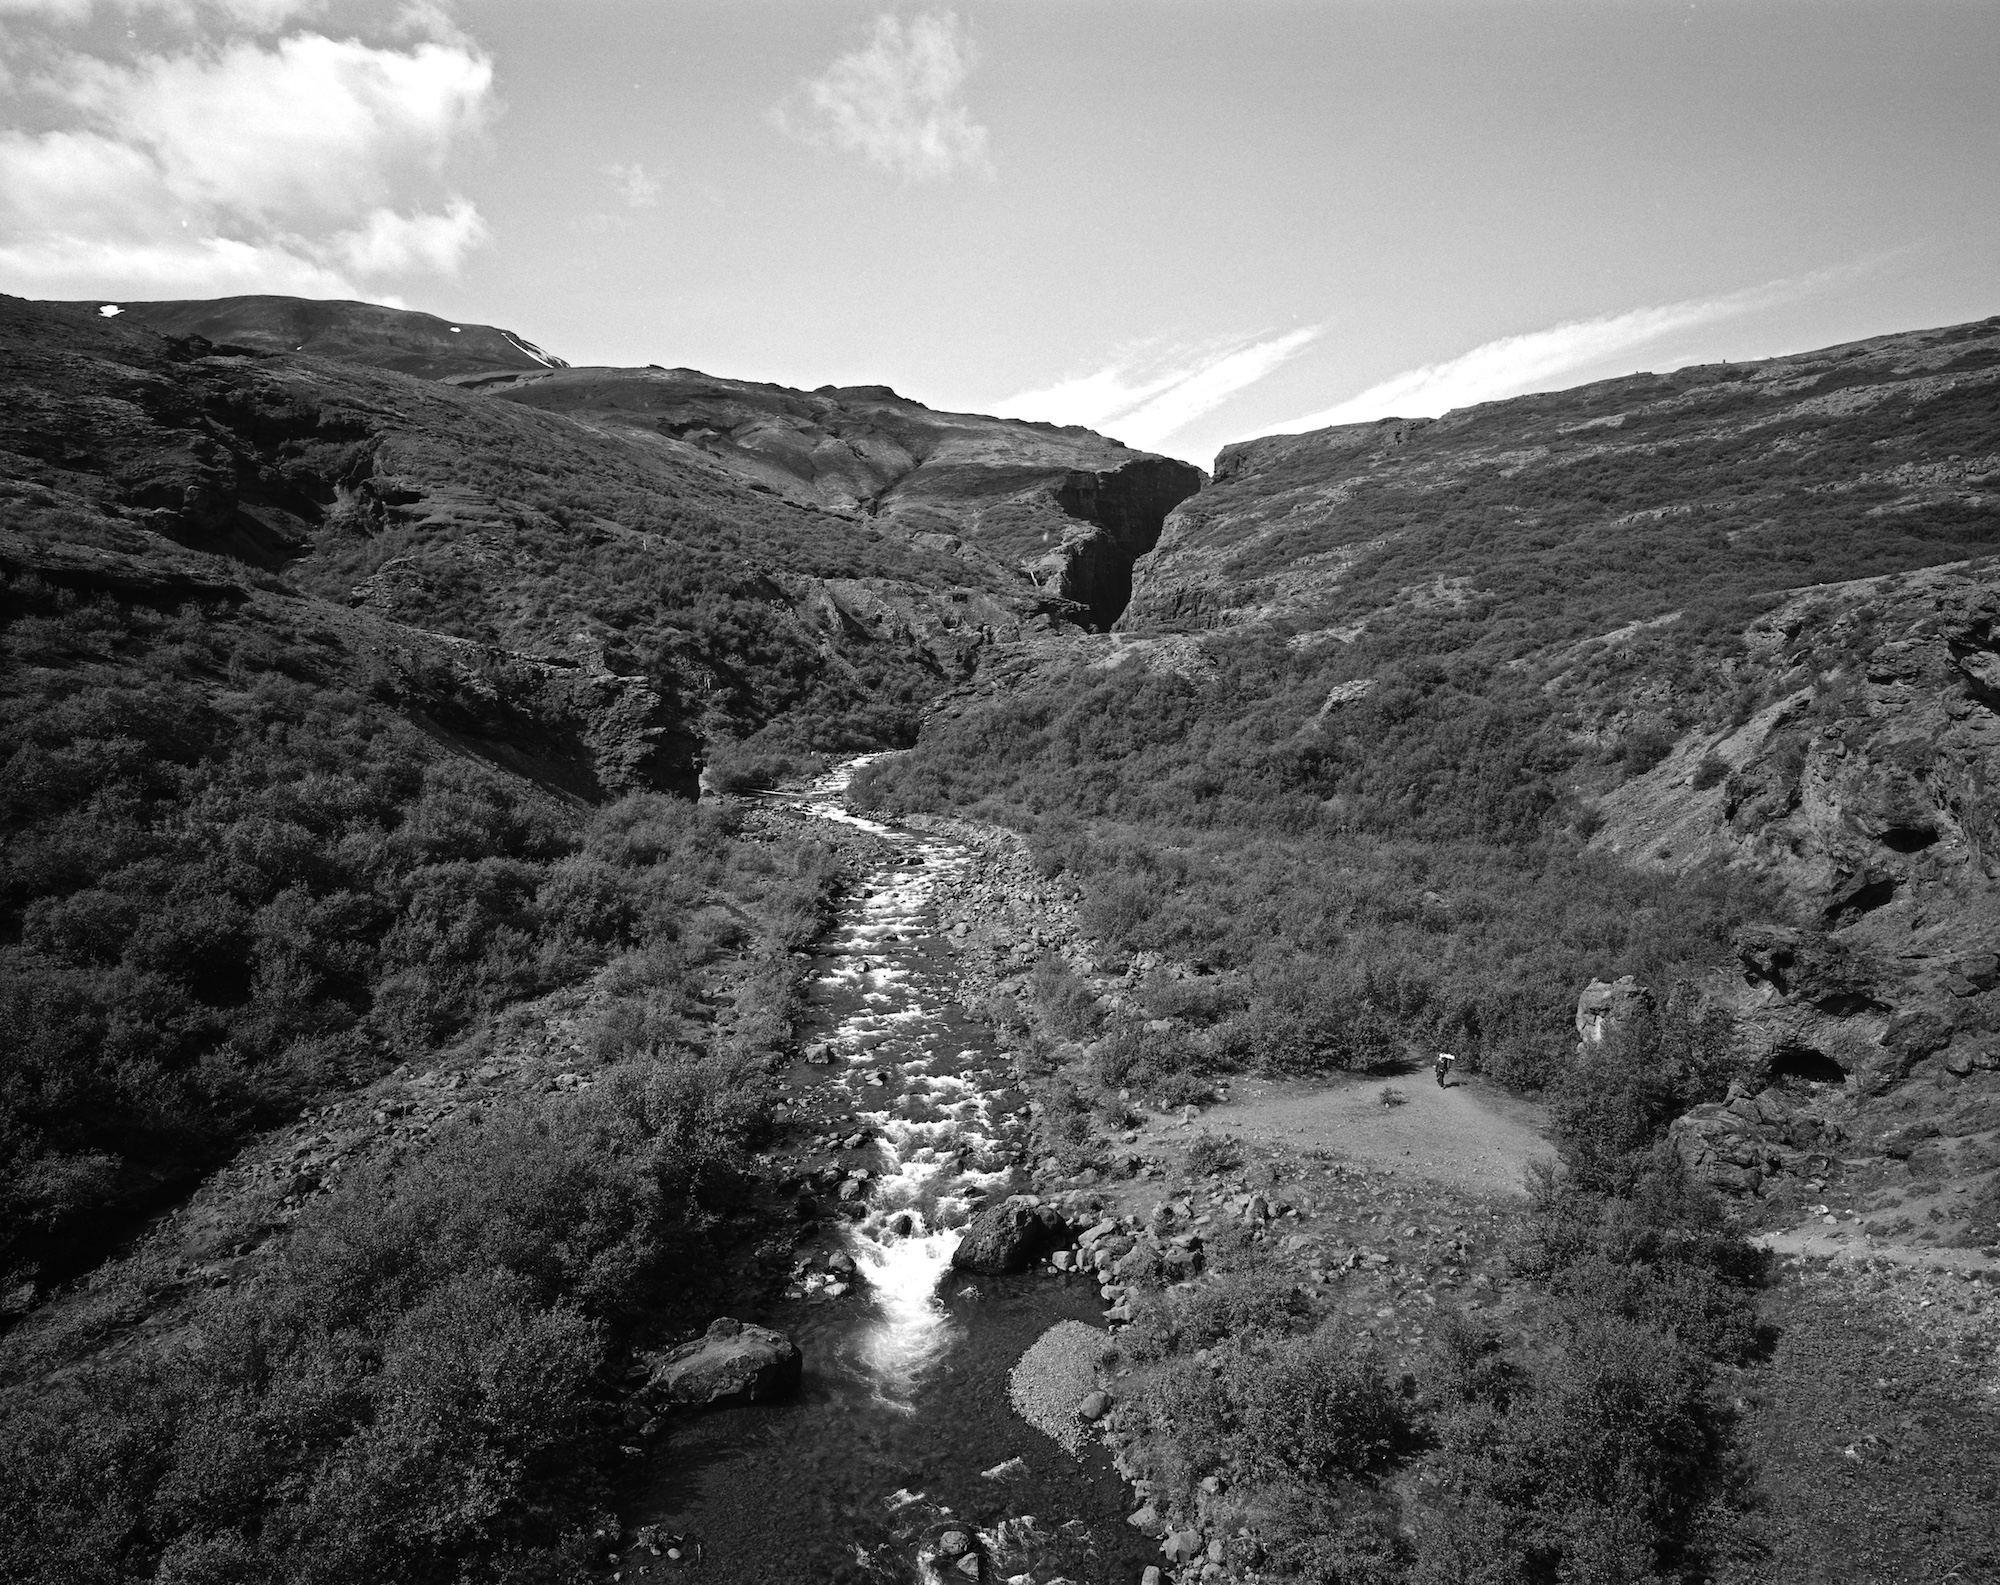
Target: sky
x=1180 y=222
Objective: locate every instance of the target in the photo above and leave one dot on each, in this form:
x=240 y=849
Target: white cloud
x=201 y=267
x=635 y=188
x=256 y=15
x=898 y=101
x=308 y=164
x=47 y=10
x=1514 y=365
x=1146 y=401
x=392 y=244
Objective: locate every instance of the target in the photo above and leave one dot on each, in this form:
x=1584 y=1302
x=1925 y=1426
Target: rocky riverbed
x=903 y=1119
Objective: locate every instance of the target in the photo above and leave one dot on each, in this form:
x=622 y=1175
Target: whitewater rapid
x=937 y=1145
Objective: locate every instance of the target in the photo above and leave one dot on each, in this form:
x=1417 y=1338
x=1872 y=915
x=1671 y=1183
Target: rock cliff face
x=1066 y=506
x=1863 y=797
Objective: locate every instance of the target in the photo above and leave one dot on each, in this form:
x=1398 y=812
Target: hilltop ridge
x=400 y=339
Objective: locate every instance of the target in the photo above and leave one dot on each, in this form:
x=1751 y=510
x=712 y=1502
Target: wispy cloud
x=1513 y=365
x=1144 y=401
x=898 y=100
x=636 y=190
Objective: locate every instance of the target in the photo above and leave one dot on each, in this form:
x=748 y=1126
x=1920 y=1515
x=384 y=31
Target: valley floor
x=1469 y=1135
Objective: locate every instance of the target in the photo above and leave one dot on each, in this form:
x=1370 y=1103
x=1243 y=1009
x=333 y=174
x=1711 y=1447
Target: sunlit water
x=904 y=1409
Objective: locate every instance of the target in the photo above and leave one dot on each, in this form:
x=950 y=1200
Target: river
x=903 y=1422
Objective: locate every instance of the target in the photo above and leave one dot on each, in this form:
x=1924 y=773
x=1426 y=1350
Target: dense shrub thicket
x=423 y=1387
x=1407 y=875
x=230 y=885
x=1607 y=1457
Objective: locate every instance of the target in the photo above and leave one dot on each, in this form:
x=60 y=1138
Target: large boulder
x=1012 y=1236
x=1605 y=1010
x=730 y=1363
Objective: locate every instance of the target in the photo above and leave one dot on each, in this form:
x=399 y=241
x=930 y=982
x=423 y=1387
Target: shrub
x=1253 y=1301
x=1615 y=1102
x=1209 y=1153
x=1712 y=770
x=1649 y=741
x=1311 y=1409
x=414 y=1391
x=1065 y=1001
x=1162 y=1065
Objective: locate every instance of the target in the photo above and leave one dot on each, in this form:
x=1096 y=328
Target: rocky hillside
x=1052 y=518
x=1767 y=590
x=1546 y=519
x=556 y=535
x=1066 y=506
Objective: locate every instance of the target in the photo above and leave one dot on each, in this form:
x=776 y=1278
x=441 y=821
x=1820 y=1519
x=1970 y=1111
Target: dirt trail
x=1471 y=1135
x=1811 y=1240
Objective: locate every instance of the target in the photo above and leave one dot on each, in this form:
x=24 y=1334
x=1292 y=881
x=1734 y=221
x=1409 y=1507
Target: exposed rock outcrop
x=1605 y=1011
x=1735 y=1144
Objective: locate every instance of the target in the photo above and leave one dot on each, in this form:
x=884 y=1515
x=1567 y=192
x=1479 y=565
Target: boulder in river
x=1011 y=1236
x=730 y=1363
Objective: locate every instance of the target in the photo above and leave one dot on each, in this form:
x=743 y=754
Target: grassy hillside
x=1420 y=660
x=1502 y=529
x=280 y=848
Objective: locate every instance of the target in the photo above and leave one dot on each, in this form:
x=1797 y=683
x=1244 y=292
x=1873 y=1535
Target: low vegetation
x=1415 y=881
x=231 y=886
x=422 y=1387
x=1575 y=1430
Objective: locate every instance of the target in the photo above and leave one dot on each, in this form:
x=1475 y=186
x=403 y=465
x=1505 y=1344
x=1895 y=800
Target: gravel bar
x=1055 y=1375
